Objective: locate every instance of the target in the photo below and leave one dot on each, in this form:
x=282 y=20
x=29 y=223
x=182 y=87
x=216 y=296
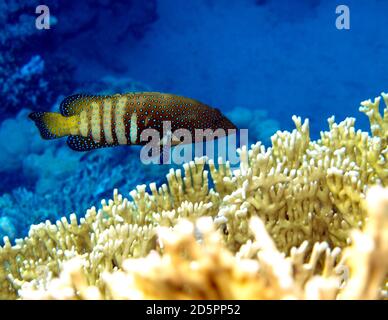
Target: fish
x=98 y=121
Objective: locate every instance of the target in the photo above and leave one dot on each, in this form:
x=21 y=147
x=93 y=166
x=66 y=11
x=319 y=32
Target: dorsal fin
x=72 y=105
x=79 y=143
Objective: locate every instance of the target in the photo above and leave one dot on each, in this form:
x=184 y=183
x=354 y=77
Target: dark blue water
x=258 y=61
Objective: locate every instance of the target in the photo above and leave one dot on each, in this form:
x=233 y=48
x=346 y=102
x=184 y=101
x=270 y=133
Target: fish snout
x=225 y=123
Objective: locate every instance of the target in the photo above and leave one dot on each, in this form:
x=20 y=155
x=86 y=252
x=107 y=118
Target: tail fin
x=52 y=125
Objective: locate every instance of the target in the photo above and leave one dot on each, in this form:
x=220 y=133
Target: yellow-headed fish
x=93 y=121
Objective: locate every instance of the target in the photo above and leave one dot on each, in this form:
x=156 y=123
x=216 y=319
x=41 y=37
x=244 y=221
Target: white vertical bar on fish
x=133 y=128
x=107 y=120
x=119 y=120
x=83 y=123
x=96 y=122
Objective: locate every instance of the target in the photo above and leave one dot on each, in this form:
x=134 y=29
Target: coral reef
x=17 y=141
x=47 y=180
x=37 y=66
x=58 y=178
x=194 y=264
x=309 y=196
x=29 y=77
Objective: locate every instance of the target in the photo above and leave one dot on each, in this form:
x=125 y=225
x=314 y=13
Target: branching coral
x=195 y=264
x=367 y=257
x=308 y=195
x=305 y=189
x=205 y=269
x=47 y=180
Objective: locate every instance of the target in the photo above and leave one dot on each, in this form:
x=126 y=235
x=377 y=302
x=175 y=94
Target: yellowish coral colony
x=299 y=220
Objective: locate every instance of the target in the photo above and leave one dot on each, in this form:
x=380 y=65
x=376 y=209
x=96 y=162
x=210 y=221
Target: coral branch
x=291 y=222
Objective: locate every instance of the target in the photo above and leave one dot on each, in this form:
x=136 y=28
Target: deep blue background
x=259 y=61
x=283 y=56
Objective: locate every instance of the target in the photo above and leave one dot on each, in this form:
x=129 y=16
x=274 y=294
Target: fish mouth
x=226 y=124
